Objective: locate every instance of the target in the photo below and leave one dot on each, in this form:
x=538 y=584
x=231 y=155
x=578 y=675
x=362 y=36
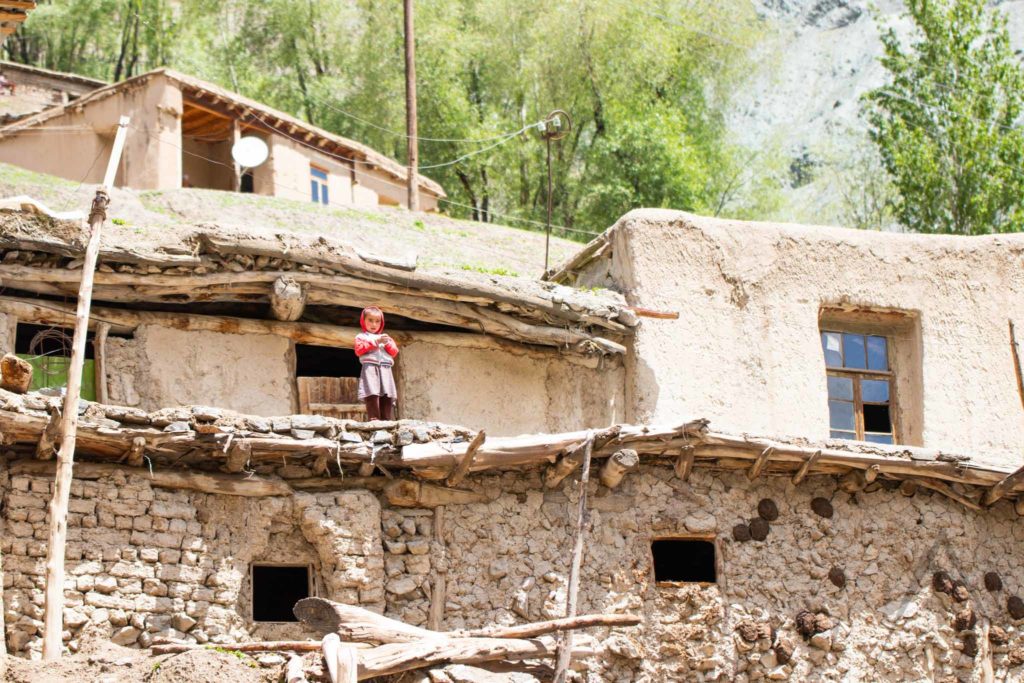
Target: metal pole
x=54 y=606
x=410 y=107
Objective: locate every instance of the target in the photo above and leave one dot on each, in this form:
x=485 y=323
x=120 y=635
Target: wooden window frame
x=857 y=374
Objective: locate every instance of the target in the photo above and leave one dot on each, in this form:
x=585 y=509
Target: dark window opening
x=325 y=361
x=248 y=184
x=876 y=418
x=275 y=590
x=684 y=559
x=46 y=340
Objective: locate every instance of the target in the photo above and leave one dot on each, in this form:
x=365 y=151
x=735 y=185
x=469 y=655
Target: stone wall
x=144 y=562
x=507 y=561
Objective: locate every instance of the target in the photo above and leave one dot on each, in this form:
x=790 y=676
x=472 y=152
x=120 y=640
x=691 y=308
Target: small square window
x=689 y=560
x=276 y=589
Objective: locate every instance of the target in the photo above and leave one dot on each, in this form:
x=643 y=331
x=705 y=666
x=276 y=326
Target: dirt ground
x=104 y=662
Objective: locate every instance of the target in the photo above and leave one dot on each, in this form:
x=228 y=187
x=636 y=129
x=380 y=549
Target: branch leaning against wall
x=54 y=605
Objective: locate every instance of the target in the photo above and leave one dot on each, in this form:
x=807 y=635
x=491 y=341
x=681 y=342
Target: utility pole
x=557 y=125
x=410 y=108
x=54 y=607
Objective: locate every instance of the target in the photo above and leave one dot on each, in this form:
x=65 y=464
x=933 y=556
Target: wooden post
x=1015 y=350
x=439 y=596
x=410 y=107
x=565 y=644
x=616 y=467
x=805 y=468
x=462 y=466
x=99 y=349
x=54 y=606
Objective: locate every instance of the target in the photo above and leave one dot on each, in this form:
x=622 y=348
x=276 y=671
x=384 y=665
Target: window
x=689 y=560
x=48 y=351
x=276 y=589
x=860 y=386
x=327 y=379
x=248 y=182
x=318 y=185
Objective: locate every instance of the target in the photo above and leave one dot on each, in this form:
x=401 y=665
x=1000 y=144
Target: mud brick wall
x=145 y=562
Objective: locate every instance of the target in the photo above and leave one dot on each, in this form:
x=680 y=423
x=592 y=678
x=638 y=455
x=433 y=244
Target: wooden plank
x=1015 y=350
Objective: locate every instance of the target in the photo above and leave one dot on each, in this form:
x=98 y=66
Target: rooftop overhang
x=12 y=14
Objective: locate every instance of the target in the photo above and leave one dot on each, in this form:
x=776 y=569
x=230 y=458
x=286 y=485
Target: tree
x=947 y=125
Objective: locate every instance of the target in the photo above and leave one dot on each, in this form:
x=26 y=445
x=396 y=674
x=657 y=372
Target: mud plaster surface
x=746 y=351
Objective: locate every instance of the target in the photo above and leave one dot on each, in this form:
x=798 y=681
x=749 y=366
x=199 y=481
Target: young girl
x=376 y=352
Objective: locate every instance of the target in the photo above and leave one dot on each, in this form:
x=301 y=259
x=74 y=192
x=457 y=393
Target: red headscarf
x=371 y=309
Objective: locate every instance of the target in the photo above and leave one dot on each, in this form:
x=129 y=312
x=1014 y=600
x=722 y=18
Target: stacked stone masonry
x=858 y=595
x=144 y=562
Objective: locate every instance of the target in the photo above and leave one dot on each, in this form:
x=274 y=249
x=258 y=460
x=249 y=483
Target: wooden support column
x=54 y=604
x=439 y=596
x=462 y=466
x=564 y=653
x=99 y=348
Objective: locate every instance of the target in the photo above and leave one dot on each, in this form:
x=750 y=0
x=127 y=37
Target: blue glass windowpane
x=841 y=388
x=317 y=173
x=878 y=438
x=840 y=415
x=874 y=390
x=836 y=434
x=314 y=190
x=323 y=195
x=831 y=345
x=878 y=358
x=853 y=351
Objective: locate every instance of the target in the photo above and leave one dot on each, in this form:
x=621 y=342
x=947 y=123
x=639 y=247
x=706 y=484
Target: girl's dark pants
x=379 y=408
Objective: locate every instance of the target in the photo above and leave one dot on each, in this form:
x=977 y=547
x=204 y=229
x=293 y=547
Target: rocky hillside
x=819 y=57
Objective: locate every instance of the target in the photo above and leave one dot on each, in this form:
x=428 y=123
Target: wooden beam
x=189 y=480
x=238 y=457
x=462 y=467
x=616 y=467
x=411 y=494
x=134 y=456
x=13 y=16
x=1003 y=487
x=947 y=491
x=123 y=321
x=759 y=464
x=684 y=463
x=287 y=299
x=801 y=474
x=50 y=436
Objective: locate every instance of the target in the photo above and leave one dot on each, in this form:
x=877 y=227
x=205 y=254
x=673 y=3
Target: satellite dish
x=249 y=152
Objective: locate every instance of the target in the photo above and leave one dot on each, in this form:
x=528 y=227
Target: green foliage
x=489 y=271
x=947 y=126
x=646 y=85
